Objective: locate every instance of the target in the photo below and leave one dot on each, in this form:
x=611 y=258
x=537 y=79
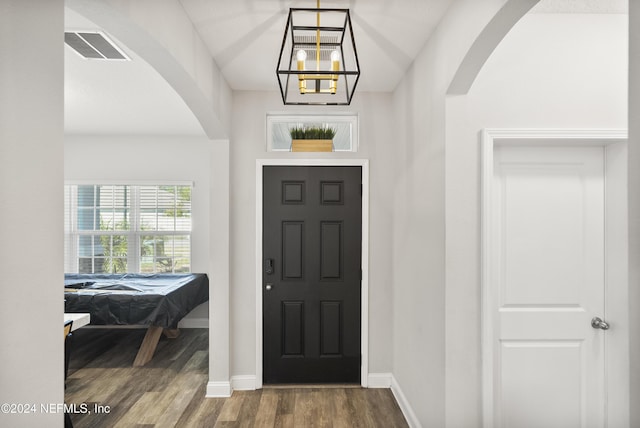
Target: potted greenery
x=312 y=138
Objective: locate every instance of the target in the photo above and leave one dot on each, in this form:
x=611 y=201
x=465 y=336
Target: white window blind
x=127 y=228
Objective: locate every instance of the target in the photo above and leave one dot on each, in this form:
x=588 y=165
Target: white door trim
x=364 y=336
x=614 y=142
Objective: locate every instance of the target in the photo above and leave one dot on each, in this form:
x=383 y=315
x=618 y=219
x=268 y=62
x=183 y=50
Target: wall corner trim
x=379 y=380
x=217 y=389
x=406 y=408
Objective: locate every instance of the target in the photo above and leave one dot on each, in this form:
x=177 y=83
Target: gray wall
x=31 y=208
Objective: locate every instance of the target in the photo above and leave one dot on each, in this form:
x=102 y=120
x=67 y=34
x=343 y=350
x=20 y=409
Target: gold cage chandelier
x=318 y=63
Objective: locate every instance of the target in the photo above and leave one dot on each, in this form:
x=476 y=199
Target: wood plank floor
x=170 y=390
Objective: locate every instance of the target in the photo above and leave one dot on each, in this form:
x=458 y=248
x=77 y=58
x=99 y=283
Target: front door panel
x=311 y=275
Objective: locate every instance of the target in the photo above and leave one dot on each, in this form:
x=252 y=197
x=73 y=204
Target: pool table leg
x=148 y=346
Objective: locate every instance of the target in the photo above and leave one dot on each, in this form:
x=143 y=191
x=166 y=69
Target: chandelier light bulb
x=335 y=66
x=301 y=56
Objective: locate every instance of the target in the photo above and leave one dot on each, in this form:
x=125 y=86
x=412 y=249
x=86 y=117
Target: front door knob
x=268 y=286
x=597 y=322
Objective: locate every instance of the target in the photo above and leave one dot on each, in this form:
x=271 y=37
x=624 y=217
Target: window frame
x=72 y=234
x=303 y=119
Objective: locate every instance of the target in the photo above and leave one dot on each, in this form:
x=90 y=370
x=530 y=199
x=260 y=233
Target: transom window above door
x=280 y=137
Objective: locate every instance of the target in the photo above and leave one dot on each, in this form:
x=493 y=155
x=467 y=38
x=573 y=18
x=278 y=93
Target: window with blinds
x=127 y=228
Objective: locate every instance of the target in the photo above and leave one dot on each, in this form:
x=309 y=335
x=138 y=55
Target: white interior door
x=547 y=284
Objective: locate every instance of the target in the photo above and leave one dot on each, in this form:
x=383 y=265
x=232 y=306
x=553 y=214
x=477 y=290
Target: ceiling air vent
x=94 y=45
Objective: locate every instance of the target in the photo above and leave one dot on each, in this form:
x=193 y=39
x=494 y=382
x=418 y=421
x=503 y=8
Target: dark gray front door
x=312 y=233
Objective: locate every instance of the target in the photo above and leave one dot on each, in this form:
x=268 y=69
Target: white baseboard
x=406 y=408
x=243 y=382
x=225 y=389
x=194 y=323
x=218 y=389
x=248 y=382
x=379 y=380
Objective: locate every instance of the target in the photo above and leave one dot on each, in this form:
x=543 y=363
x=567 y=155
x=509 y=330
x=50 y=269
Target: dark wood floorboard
x=170 y=390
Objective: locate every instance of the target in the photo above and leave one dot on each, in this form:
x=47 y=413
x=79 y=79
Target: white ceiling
x=582 y=6
x=244 y=38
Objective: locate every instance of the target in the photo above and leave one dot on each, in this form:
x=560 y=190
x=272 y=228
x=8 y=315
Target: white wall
x=556 y=70
x=634 y=206
x=131 y=159
x=378 y=144
x=550 y=71
x=419 y=214
x=31 y=209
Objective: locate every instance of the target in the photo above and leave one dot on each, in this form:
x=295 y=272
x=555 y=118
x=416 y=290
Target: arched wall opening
x=165 y=38
x=161 y=39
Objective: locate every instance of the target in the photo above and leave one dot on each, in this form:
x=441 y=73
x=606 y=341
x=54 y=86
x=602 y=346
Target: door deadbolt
x=268 y=266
